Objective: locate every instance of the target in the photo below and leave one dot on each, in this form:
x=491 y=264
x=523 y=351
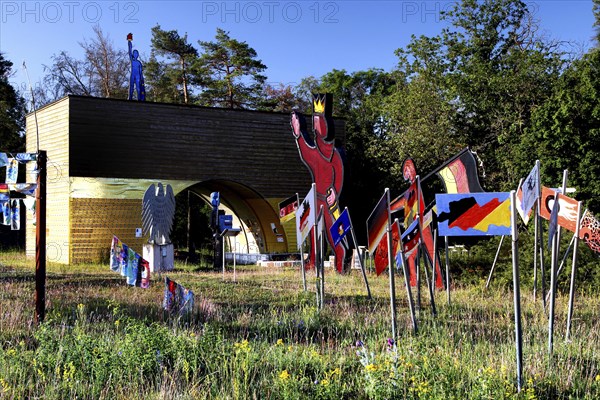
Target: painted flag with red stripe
x=377 y=222
x=459 y=174
x=474 y=214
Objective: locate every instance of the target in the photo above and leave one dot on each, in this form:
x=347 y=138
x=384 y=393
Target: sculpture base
x=160 y=257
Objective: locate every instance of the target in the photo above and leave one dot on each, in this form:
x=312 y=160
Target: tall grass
x=263 y=338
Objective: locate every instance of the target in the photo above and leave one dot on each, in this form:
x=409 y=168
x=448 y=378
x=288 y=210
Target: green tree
x=474 y=84
x=12 y=112
x=565 y=133
x=283 y=98
x=162 y=82
x=230 y=73
x=175 y=47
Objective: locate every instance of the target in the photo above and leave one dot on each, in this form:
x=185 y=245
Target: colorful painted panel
x=474 y=214
x=460 y=174
x=287 y=209
x=377 y=222
x=567 y=209
x=589 y=231
x=306 y=217
x=340 y=227
x=324 y=161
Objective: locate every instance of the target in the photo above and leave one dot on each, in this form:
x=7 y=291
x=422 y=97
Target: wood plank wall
x=53 y=123
x=126 y=139
x=95 y=137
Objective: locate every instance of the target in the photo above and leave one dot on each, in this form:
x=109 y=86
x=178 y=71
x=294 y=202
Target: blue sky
x=294 y=39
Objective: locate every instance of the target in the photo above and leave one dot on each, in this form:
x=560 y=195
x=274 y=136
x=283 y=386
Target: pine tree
x=230 y=73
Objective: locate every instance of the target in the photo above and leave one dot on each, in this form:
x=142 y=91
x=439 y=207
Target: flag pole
x=517 y=292
x=555 y=249
x=573 y=272
x=429 y=284
x=360 y=258
x=418 y=271
x=321 y=257
x=539 y=237
x=433 y=268
x=487 y=284
x=562 y=263
x=447 y=269
x=390 y=270
x=411 y=305
x=301 y=252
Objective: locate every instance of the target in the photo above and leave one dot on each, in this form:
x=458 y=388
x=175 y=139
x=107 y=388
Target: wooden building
x=104 y=153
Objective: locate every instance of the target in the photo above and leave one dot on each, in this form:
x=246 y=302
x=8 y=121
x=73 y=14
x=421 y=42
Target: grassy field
x=262 y=337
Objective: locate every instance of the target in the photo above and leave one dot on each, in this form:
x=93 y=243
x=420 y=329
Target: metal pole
x=562 y=263
x=494 y=263
x=535 y=253
x=418 y=271
x=303 y=270
x=541 y=255
x=234 y=249
x=40 y=239
x=447 y=269
x=223 y=256
x=555 y=249
x=322 y=265
x=411 y=305
x=360 y=259
x=573 y=273
x=517 y=293
x=390 y=270
x=301 y=254
x=429 y=283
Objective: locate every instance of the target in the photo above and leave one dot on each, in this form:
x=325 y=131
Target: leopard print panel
x=590 y=232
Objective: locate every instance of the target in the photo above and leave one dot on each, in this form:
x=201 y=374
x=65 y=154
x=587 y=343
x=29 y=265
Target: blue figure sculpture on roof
x=137 y=78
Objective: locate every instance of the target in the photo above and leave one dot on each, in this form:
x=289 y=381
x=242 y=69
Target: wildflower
x=279 y=342
x=243 y=345
x=597 y=378
x=325 y=382
x=284 y=375
x=336 y=371
x=371 y=367
x=359 y=343
x=290 y=348
x=390 y=343
x=117 y=322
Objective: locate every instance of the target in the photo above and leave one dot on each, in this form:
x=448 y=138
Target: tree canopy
x=12 y=111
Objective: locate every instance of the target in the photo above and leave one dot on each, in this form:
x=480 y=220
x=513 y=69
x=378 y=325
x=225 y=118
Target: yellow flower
x=371 y=367
x=243 y=345
x=279 y=342
x=325 y=382
x=336 y=371
x=598 y=378
x=117 y=322
x=284 y=375
x=290 y=348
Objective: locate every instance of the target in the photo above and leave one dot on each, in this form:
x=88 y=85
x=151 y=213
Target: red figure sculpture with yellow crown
x=324 y=161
